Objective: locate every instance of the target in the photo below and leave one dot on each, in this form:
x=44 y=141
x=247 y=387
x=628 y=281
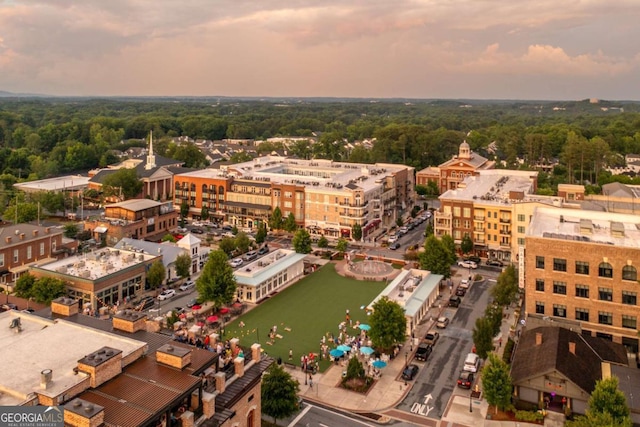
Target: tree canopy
x=183 y=265
x=123 y=182
x=505 y=291
x=302 y=242
x=156 y=274
x=217 y=282
x=496 y=383
x=388 y=324
x=435 y=257
x=279 y=393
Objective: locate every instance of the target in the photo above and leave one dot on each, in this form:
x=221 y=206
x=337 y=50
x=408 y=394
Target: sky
x=453 y=49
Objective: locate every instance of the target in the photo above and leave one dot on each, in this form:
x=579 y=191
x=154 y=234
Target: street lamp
x=470 y=407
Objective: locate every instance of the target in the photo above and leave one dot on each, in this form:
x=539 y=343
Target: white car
x=403 y=230
x=393 y=238
x=236 y=262
x=197 y=224
x=187 y=286
x=467 y=264
x=169 y=293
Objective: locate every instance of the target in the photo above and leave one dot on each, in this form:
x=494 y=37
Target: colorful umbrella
x=379 y=364
x=212 y=319
x=196 y=307
x=224 y=310
x=344 y=348
x=237 y=305
x=336 y=353
x=200 y=323
x=366 y=350
x=364 y=327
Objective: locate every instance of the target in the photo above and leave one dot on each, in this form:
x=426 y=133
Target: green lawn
x=310 y=308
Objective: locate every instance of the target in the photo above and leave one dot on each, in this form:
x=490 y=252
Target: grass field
x=310 y=308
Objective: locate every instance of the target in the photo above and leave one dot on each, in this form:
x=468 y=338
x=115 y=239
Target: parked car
x=471 y=363
x=455 y=301
x=423 y=351
x=432 y=337
x=166 y=294
x=188 y=285
x=250 y=256
x=403 y=230
x=197 y=224
x=9 y=306
x=465 y=379
x=464 y=283
x=182 y=230
x=263 y=250
x=192 y=302
x=145 y=303
x=460 y=291
x=393 y=238
x=473 y=258
x=442 y=322
x=236 y=262
x=495 y=263
x=394 y=246
x=410 y=372
x=197 y=231
x=467 y=264
x=227 y=227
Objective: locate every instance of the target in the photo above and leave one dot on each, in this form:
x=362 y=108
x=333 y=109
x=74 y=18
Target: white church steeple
x=151 y=159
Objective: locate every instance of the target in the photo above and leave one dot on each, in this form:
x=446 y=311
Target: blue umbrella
x=364 y=327
x=344 y=348
x=378 y=364
x=366 y=350
x=336 y=353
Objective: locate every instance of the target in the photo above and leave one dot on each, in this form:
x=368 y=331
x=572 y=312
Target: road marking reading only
x=422 y=408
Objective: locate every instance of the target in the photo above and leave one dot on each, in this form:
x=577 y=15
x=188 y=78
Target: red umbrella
x=224 y=310
x=200 y=323
x=212 y=319
x=196 y=307
x=237 y=305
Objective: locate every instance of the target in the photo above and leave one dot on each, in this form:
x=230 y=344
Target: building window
x=582 y=314
x=539 y=307
x=1 y=260
x=629 y=321
x=15 y=255
x=520 y=241
x=605 y=318
x=629 y=272
x=560 y=288
x=629 y=298
x=466 y=212
x=29 y=252
x=605 y=270
x=582 y=291
x=559 y=310
x=540 y=285
x=582 y=267
x=41 y=248
x=520 y=217
x=605 y=294
x=539 y=262
x=559 y=264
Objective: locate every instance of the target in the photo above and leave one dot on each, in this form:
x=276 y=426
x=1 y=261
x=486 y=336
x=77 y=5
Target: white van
x=471 y=363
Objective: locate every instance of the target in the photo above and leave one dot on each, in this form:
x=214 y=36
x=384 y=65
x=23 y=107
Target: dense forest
x=44 y=137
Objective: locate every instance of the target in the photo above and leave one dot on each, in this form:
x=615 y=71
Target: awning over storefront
x=101 y=229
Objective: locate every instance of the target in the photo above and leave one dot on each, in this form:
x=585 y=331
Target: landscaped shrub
x=508 y=351
x=529 y=416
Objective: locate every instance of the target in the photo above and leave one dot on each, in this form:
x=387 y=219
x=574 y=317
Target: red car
x=465 y=380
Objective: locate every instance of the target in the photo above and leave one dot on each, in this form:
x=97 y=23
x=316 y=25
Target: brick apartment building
x=582 y=266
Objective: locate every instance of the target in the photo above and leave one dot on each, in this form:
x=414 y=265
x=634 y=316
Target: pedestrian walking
x=290 y=354
x=500 y=342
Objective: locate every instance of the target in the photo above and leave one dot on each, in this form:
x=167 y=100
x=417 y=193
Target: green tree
x=399 y=221
x=342 y=244
x=355 y=369
x=24 y=286
x=388 y=324
x=323 y=242
x=505 y=291
x=46 y=289
x=71 y=230
x=123 y=182
x=356 y=232
x=483 y=336
x=466 y=245
x=450 y=248
x=183 y=265
x=290 y=223
x=607 y=406
x=217 y=282
x=496 y=383
x=242 y=241
x=204 y=213
x=156 y=274
x=168 y=238
x=422 y=190
x=275 y=220
x=428 y=231
x=27 y=212
x=279 y=393
x=435 y=258
x=302 y=242
x=261 y=234
x=184 y=210
x=227 y=245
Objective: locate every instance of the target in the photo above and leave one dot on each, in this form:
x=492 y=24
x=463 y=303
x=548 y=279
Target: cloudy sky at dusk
x=524 y=49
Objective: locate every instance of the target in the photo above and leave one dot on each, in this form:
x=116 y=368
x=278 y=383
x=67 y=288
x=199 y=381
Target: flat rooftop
x=61 y=183
x=48 y=344
x=256 y=272
x=493 y=186
x=586 y=226
x=325 y=174
x=410 y=289
x=97 y=264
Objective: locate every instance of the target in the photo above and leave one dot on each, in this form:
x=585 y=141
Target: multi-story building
x=24 y=245
x=582 y=266
x=482 y=207
x=451 y=173
x=102 y=278
x=136 y=219
x=324 y=196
